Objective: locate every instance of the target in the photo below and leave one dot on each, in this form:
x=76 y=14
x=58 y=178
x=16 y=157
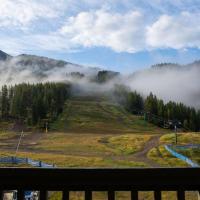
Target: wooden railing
x=110 y=180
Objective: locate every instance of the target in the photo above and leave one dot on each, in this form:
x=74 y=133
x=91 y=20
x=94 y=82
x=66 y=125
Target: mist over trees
x=33 y=102
x=156 y=111
x=104 y=76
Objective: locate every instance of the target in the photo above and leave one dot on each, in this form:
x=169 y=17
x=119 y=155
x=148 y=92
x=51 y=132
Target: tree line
x=157 y=111
x=33 y=102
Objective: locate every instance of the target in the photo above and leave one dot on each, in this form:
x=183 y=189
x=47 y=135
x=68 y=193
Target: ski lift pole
x=22 y=134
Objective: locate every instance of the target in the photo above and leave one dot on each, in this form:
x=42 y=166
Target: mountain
x=168 y=81
x=172 y=66
x=165 y=65
x=4 y=56
x=31 y=68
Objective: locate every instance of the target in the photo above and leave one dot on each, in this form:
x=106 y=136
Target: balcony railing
x=110 y=180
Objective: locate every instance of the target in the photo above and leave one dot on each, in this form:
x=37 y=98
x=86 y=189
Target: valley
x=92 y=118
x=94 y=132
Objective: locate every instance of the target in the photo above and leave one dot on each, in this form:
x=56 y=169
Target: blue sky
x=118 y=35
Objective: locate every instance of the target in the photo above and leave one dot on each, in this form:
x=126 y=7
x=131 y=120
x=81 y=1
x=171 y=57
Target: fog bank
x=177 y=83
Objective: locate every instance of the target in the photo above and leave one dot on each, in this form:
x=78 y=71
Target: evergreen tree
x=33 y=102
x=4 y=102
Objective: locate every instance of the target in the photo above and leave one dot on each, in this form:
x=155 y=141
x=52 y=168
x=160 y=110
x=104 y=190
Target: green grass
x=94 y=116
x=93 y=144
x=129 y=143
x=164 y=158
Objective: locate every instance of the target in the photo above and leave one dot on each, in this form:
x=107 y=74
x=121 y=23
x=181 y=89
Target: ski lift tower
x=177 y=124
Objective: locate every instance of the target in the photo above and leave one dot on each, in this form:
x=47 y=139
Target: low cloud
x=181 y=84
x=170 y=83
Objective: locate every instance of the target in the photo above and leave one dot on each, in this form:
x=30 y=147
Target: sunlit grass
x=164 y=158
x=91 y=144
x=129 y=144
x=121 y=195
x=183 y=138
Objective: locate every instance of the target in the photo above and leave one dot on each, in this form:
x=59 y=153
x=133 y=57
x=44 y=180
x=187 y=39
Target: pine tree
x=4 y=102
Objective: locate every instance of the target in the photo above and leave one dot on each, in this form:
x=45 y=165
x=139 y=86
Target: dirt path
x=142 y=155
x=30 y=141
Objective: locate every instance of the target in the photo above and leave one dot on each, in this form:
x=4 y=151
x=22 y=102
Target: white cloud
x=130 y=33
x=177 y=32
x=21 y=12
x=120 y=32
x=100 y=25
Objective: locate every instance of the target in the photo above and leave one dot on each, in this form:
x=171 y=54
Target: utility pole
x=22 y=134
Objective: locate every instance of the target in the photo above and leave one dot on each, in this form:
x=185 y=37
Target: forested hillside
x=157 y=111
x=33 y=102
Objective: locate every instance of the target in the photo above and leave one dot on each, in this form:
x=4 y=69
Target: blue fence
x=180 y=156
x=16 y=160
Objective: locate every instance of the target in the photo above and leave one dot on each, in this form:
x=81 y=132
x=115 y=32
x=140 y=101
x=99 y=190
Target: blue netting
x=180 y=156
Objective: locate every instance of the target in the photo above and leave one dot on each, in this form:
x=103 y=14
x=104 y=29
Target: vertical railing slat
x=1 y=194
x=65 y=195
x=134 y=195
x=111 y=195
x=20 y=194
x=43 y=195
x=181 y=195
x=88 y=195
x=157 y=195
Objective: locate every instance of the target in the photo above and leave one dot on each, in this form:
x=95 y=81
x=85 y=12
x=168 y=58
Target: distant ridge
x=4 y=56
x=165 y=65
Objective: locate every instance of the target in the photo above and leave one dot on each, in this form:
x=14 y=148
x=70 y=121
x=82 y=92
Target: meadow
x=97 y=133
